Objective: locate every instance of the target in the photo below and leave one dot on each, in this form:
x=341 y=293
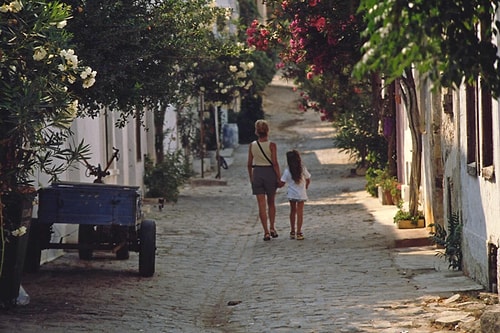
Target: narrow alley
x=214 y=273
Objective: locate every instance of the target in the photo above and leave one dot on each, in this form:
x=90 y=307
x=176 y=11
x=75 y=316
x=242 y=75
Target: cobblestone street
x=214 y=273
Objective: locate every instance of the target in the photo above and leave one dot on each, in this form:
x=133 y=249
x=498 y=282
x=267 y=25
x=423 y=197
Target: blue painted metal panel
x=89 y=203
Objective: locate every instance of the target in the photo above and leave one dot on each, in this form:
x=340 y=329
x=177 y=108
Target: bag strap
x=262 y=150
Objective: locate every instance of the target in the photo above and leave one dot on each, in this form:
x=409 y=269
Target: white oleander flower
x=16 y=6
x=39 y=54
x=18 y=232
x=61 y=24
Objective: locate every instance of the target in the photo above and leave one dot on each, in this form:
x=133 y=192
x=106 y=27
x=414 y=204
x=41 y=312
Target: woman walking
x=264 y=171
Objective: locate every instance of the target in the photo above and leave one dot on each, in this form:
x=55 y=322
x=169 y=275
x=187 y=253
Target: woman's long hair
x=294 y=165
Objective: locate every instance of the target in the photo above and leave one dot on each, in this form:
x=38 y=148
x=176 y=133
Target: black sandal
x=267 y=237
x=274 y=234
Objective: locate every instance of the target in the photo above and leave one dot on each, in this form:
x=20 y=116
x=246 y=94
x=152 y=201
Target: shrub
x=251 y=111
x=165 y=178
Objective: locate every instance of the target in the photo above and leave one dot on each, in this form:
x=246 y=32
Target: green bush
x=164 y=179
x=357 y=134
x=371 y=182
x=381 y=178
x=251 y=111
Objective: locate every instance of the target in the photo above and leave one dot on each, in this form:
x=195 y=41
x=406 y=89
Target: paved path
x=216 y=274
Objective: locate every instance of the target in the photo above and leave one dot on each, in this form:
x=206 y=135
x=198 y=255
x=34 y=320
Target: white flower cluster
x=39 y=53
x=13 y=7
x=241 y=73
x=72 y=109
x=19 y=231
x=70 y=63
x=88 y=77
x=239 y=80
x=71 y=59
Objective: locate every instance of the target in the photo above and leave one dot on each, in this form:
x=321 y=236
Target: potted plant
x=37 y=107
x=389 y=191
x=405 y=220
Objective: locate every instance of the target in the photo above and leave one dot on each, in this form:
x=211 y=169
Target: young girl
x=298 y=179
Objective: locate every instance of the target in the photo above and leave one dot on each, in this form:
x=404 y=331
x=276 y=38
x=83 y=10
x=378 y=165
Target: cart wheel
x=147 y=248
x=85 y=237
x=34 y=251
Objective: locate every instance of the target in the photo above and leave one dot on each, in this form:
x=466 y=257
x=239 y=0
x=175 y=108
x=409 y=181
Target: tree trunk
x=159 y=119
x=413 y=112
x=390 y=114
x=15 y=212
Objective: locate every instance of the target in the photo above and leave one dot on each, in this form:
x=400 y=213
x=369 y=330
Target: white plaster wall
x=450 y=150
x=171 y=141
x=480 y=204
x=262 y=9
x=425 y=103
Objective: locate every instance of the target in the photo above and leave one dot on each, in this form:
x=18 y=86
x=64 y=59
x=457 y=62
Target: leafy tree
x=154 y=54
x=38 y=70
x=357 y=132
x=449 y=41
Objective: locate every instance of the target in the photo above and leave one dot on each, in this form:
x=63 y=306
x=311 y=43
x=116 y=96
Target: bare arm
x=249 y=162
x=276 y=165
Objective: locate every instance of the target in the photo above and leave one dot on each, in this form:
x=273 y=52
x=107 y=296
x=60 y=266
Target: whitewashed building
x=461 y=146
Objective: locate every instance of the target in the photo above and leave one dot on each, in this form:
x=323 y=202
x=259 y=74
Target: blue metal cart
x=109 y=217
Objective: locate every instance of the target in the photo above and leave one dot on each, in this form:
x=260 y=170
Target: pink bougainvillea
x=318 y=42
x=258 y=36
x=324 y=33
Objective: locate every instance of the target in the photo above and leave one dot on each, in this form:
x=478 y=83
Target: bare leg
x=293 y=214
x=300 y=216
x=261 y=201
x=272 y=210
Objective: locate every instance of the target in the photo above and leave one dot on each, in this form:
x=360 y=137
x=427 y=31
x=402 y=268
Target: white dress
x=296 y=191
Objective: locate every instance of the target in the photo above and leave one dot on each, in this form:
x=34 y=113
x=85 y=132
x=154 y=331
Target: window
x=487 y=126
x=487 y=133
x=471 y=124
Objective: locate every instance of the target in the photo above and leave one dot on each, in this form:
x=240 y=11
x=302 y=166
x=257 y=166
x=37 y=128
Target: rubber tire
x=147 y=248
x=33 y=251
x=85 y=236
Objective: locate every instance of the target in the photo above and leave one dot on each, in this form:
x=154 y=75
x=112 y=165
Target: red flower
x=319 y=23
